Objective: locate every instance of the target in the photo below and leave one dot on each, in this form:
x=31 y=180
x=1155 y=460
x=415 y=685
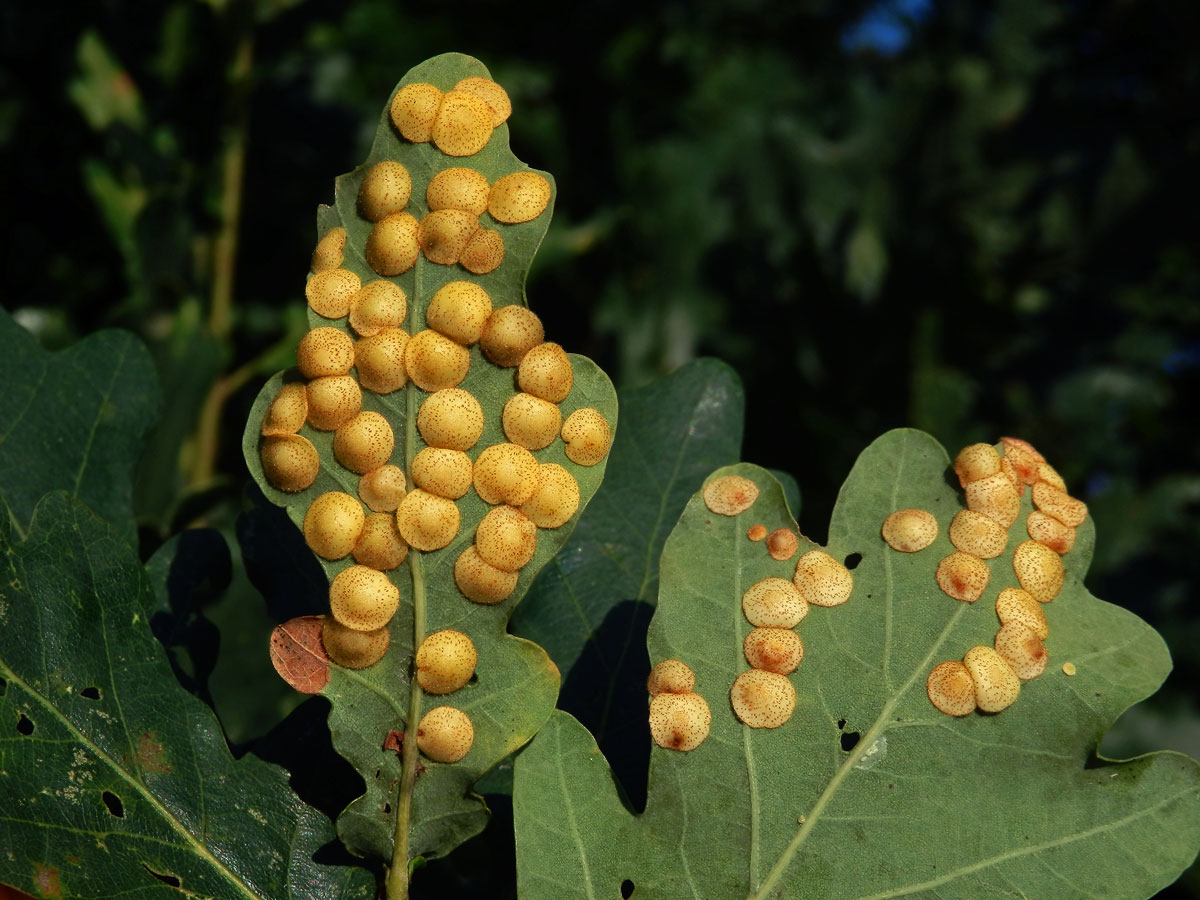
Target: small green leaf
x=868 y=791
x=116 y=780
x=414 y=808
x=74 y=421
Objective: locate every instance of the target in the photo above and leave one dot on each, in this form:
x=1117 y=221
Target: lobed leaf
x=412 y=807
x=868 y=791
x=74 y=421
x=116 y=780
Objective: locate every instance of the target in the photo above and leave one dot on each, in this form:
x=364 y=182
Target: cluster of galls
x=989 y=678
x=382 y=357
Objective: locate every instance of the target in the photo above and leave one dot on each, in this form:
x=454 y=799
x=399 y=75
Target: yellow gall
x=506 y=473
x=963 y=576
x=1024 y=458
x=290 y=462
x=445 y=661
x=451 y=419
x=463 y=125
x=757 y=533
x=445 y=734
x=385 y=190
x=445 y=233
x=481 y=582
x=484 y=252
x=379 y=304
x=1022 y=649
x=287 y=412
x=763 y=699
x=392 y=246
x=545 y=371
x=353 y=649
x=782 y=543
x=1039 y=570
x=446 y=473
x=328 y=252
x=380 y=360
x=459 y=310
x=976 y=461
x=379 y=544
x=364 y=443
x=556 y=498
x=434 y=362
x=1049 y=531
x=730 y=495
x=332 y=524
x=996 y=684
x=383 y=489
x=510 y=333
x=1068 y=668
x=325 y=351
x=1059 y=504
x=414 y=110
x=777 y=650
x=774 y=603
x=679 y=721
x=909 y=530
x=458 y=188
x=506 y=538
x=995 y=497
x=1049 y=474
x=519 y=197
x=1018 y=605
x=587 y=436
x=490 y=93
x=671 y=676
x=426 y=521
x=530 y=421
x=1009 y=471
x=977 y=534
x=822 y=579
x=332 y=401
x=951 y=689
x=329 y=292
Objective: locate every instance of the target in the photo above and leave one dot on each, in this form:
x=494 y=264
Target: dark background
x=973 y=218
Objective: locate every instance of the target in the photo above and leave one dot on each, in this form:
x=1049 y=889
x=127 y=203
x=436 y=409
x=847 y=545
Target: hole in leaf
x=474 y=679
x=3 y=686
x=91 y=693
x=24 y=726
x=113 y=804
x=377 y=773
x=841 y=723
x=853 y=560
x=626 y=889
x=164 y=878
x=387 y=809
x=849 y=740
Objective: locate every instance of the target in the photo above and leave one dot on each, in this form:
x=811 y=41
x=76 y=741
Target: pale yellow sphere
x=445 y=734
x=379 y=544
x=451 y=419
x=380 y=360
x=587 y=436
x=458 y=188
x=530 y=421
x=444 y=233
x=353 y=649
x=777 y=650
x=463 y=125
x=519 y=197
x=484 y=252
x=482 y=582
x=445 y=661
x=325 y=351
x=329 y=292
x=763 y=699
x=290 y=462
x=506 y=473
x=379 y=304
x=426 y=521
x=679 y=721
x=671 y=676
x=364 y=443
x=446 y=473
x=556 y=498
x=287 y=412
x=951 y=689
x=546 y=372
x=363 y=599
x=510 y=333
x=434 y=362
x=506 y=538
x=385 y=190
x=328 y=252
x=414 y=109
x=382 y=489
x=459 y=310
x=392 y=246
x=332 y=524
x=996 y=684
x=490 y=93
x=332 y=401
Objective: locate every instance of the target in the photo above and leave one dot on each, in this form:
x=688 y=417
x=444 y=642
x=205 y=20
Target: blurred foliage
x=976 y=219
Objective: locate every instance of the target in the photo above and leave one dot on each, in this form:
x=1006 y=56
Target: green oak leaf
x=413 y=807
x=589 y=608
x=74 y=421
x=868 y=791
x=116 y=781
